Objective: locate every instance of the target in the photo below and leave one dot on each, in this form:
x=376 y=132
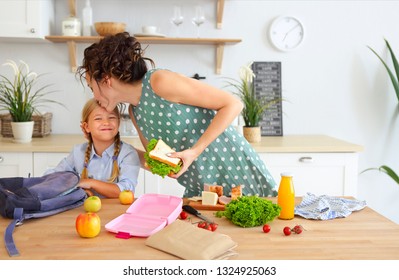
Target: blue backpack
x=37 y=197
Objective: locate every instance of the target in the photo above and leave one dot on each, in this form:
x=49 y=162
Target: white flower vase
x=22 y=131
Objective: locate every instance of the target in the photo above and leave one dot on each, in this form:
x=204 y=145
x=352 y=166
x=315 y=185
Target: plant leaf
x=389 y=172
x=394 y=60
x=385 y=169
x=391 y=75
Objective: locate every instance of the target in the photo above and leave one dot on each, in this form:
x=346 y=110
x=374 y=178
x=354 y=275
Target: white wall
x=333 y=83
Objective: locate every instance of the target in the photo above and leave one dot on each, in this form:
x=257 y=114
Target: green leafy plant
x=254 y=106
x=394 y=76
x=394 y=79
x=18 y=96
x=250 y=211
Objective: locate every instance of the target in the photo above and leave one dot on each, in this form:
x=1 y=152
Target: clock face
x=286 y=33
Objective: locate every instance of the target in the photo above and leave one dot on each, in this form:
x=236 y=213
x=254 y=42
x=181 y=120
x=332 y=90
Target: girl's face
x=102 y=92
x=102 y=125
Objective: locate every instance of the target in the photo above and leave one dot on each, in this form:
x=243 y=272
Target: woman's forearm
x=223 y=118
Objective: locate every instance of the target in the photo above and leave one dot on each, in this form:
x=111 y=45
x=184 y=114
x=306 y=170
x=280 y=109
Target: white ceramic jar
x=71 y=27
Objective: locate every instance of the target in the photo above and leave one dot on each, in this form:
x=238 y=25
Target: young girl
x=190 y=116
x=106 y=164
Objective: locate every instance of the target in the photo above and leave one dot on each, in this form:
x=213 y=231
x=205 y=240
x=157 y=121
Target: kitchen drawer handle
x=1 y=159
x=306 y=159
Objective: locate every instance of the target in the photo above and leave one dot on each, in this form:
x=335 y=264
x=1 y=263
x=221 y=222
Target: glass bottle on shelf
x=87 y=19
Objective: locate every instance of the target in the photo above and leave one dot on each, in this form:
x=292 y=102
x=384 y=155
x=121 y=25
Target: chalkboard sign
x=267 y=83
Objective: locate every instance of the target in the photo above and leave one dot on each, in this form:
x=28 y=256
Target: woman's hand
x=187 y=157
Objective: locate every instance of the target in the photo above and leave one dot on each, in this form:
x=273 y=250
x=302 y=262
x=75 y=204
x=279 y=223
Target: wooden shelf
x=217 y=42
x=219 y=11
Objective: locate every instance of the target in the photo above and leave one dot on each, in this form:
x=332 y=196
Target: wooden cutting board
x=198 y=205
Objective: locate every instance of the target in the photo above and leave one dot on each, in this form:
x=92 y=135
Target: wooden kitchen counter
x=63 y=143
x=362 y=235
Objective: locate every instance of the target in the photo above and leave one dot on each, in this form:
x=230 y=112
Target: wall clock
x=286 y=33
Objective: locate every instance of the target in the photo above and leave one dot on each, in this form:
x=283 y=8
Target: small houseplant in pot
x=21 y=97
x=254 y=106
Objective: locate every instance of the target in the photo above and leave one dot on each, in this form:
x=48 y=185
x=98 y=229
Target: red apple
x=88 y=225
x=92 y=204
x=126 y=197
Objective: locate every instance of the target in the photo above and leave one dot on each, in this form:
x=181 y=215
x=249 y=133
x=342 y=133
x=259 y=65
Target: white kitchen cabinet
x=26 y=18
x=16 y=164
x=44 y=161
x=317 y=173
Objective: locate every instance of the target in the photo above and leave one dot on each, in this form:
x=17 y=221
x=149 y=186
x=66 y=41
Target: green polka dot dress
x=228 y=161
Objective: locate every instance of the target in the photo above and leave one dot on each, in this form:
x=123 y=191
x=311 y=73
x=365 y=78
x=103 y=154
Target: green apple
x=92 y=204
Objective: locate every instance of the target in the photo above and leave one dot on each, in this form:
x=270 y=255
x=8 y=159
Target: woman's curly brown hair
x=119 y=56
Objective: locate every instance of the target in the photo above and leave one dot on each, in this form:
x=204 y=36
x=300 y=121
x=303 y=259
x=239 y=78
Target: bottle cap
x=287 y=174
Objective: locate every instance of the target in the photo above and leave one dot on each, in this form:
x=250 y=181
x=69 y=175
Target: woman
x=190 y=116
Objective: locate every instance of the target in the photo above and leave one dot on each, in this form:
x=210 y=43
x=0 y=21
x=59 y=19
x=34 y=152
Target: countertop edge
x=63 y=143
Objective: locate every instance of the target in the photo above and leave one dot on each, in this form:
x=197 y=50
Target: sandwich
x=158 y=161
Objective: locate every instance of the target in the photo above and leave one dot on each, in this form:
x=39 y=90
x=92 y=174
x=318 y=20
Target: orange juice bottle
x=286 y=196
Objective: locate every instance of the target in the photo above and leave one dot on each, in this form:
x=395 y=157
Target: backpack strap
x=8 y=239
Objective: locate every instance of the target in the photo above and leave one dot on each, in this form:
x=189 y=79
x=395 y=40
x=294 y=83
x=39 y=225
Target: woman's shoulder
x=162 y=78
x=157 y=73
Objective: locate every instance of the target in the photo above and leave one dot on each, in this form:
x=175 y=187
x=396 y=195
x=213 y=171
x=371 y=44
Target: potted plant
x=19 y=98
x=254 y=106
x=394 y=76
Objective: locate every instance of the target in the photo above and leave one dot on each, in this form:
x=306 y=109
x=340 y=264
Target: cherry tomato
x=202 y=224
x=208 y=227
x=287 y=231
x=297 y=229
x=183 y=215
x=266 y=228
x=214 y=226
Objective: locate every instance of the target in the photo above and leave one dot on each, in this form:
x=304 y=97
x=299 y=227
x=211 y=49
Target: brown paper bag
x=189 y=242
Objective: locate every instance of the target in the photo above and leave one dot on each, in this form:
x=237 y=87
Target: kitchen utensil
x=199 y=206
x=177 y=18
x=194 y=212
x=109 y=28
x=149 y=29
x=71 y=26
x=199 y=18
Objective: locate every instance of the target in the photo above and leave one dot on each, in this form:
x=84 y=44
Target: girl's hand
x=86 y=186
x=187 y=157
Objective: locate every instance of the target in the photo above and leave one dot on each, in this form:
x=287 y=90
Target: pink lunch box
x=147 y=215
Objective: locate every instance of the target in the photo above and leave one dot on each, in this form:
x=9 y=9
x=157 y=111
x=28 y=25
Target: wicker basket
x=41 y=128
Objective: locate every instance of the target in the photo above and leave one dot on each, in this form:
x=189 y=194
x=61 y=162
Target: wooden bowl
x=109 y=28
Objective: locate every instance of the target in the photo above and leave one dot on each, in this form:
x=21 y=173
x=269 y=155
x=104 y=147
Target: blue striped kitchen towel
x=326 y=207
